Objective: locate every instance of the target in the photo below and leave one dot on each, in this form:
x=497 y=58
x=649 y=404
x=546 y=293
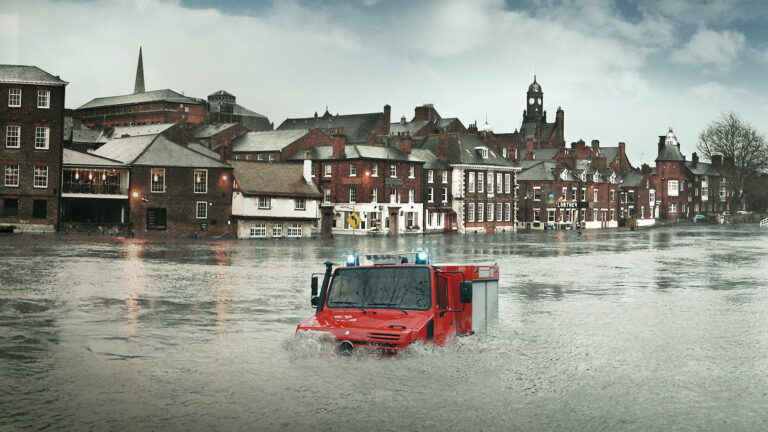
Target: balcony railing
x=95 y=182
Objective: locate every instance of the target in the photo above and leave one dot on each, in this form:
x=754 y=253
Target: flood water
x=661 y=329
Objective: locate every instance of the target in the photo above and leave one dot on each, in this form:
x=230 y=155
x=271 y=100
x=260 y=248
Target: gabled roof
x=431 y=161
x=610 y=153
x=357 y=127
x=267 y=140
x=138 y=130
x=203 y=150
x=72 y=158
x=670 y=153
x=445 y=122
x=91 y=136
x=164 y=95
x=541 y=171
x=17 y=74
x=463 y=149
x=273 y=180
x=155 y=150
x=209 y=130
x=528 y=131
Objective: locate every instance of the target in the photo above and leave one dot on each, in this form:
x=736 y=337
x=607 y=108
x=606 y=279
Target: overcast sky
x=621 y=70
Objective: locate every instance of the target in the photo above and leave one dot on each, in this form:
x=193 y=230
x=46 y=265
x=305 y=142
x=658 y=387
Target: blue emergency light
x=353 y=260
x=422 y=257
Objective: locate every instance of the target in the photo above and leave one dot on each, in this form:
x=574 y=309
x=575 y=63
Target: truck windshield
x=381 y=287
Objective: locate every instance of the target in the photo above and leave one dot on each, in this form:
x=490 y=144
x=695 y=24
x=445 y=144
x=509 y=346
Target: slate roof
x=138 y=130
x=632 y=178
x=545 y=171
x=355 y=151
x=702 y=168
x=96 y=136
x=444 y=122
x=528 y=131
x=431 y=161
x=165 y=95
x=18 y=74
x=273 y=179
x=209 y=130
x=610 y=153
x=155 y=150
x=670 y=153
x=462 y=150
x=266 y=140
x=194 y=146
x=72 y=158
x=412 y=127
x=357 y=127
x=541 y=154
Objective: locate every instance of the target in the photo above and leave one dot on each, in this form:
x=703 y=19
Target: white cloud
x=711 y=48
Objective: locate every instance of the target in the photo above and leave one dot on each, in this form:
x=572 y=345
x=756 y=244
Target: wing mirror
x=465 y=292
x=314 y=286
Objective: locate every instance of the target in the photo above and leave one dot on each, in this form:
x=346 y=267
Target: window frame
x=256 y=230
x=300 y=204
x=43 y=184
x=47 y=99
x=152 y=183
x=12 y=173
x=201 y=205
x=265 y=203
x=16 y=136
x=12 y=96
x=44 y=140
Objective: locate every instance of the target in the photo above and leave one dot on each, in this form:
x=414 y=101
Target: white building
x=274 y=200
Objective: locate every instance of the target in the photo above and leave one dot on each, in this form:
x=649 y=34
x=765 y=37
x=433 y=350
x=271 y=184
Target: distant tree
x=744 y=153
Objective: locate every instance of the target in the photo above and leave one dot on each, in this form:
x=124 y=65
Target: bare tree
x=744 y=153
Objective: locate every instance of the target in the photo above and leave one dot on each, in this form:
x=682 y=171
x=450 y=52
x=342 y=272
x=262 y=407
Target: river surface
x=661 y=329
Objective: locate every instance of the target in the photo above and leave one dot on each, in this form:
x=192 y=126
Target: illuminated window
x=157 y=180
x=201 y=181
x=41 y=177
x=12 y=175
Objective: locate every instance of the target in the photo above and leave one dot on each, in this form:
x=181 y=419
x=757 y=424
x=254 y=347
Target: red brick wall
x=340 y=181
x=666 y=171
x=29 y=116
x=179 y=200
x=144 y=113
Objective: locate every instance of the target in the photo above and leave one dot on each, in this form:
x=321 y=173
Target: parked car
x=702 y=218
x=743 y=212
x=726 y=213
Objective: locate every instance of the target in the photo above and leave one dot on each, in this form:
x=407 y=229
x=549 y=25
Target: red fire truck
x=382 y=308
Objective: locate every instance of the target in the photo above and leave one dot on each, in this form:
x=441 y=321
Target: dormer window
x=613 y=178
x=564 y=175
x=584 y=176
x=595 y=177
x=483 y=152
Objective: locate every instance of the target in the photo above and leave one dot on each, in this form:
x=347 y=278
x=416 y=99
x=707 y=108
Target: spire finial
x=534 y=72
x=139 y=86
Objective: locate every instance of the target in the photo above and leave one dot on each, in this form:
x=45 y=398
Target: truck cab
x=382 y=308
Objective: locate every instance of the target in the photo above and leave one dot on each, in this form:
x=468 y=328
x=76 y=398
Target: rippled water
x=620 y=330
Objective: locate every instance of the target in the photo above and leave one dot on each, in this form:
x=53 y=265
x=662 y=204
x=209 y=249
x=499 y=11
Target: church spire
x=139 y=87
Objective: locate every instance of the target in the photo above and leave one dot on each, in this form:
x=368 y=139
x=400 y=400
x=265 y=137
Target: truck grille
x=384 y=337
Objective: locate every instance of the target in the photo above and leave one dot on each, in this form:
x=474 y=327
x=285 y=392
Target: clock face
x=539 y=101
x=530 y=101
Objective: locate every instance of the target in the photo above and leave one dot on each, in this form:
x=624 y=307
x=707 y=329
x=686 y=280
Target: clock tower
x=534 y=102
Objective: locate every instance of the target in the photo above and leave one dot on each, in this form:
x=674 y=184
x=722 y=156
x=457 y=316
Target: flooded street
x=662 y=329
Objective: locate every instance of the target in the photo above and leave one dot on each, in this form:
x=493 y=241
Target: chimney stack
x=694 y=159
x=717 y=160
x=529 y=150
x=595 y=147
x=662 y=138
x=339 y=143
x=307 y=170
x=442 y=148
x=645 y=169
x=405 y=143
x=387 y=117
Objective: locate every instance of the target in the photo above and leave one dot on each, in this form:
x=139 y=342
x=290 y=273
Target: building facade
x=31 y=132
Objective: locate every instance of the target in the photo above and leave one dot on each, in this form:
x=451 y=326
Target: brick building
x=31 y=132
x=708 y=191
x=669 y=180
x=637 y=198
x=173 y=189
x=483 y=184
x=381 y=183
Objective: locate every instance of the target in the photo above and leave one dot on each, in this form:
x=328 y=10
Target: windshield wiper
x=350 y=304
x=390 y=304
